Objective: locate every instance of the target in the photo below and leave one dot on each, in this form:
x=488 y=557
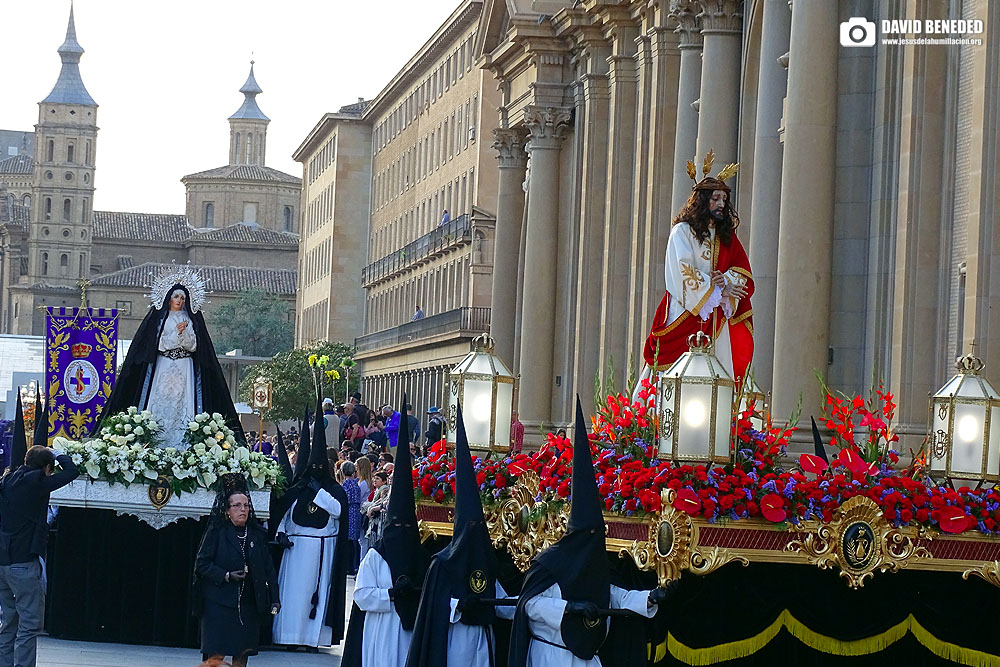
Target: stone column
x=805 y=234
x=719 y=115
x=547 y=127
x=685 y=13
x=766 y=198
x=620 y=156
x=509 y=144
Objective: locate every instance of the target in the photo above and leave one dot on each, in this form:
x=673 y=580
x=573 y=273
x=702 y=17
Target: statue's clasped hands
x=729 y=290
x=181 y=327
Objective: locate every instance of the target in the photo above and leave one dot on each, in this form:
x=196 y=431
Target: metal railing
x=471 y=320
x=451 y=233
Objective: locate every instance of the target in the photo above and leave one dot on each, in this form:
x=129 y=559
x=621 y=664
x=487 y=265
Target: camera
x=857 y=31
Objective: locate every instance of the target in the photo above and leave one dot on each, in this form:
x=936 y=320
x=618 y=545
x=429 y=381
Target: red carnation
x=500 y=482
x=772 y=507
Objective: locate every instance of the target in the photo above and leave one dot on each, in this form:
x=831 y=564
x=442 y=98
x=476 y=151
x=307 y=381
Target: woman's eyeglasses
x=240 y=506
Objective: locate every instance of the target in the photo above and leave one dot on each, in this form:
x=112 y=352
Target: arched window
x=26 y=200
x=210 y=214
x=249 y=154
x=86 y=158
x=236 y=149
x=288 y=218
x=67 y=205
x=50 y=155
x=69 y=153
x=48 y=208
x=63 y=264
x=45 y=263
x=10 y=203
x=83 y=265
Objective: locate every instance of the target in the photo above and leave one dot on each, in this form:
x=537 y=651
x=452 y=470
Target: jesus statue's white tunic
x=301 y=567
x=545 y=614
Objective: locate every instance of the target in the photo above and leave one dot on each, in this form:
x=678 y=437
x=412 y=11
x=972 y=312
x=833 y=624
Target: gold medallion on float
x=160 y=492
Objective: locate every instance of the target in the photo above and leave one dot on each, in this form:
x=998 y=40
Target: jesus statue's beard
x=717 y=214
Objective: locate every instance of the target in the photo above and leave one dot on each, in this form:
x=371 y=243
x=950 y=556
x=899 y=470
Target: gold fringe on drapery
x=742 y=648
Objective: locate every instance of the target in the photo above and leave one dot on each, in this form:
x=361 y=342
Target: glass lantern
x=695 y=406
x=484 y=387
x=964 y=439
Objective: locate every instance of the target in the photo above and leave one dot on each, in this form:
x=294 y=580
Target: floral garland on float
x=632 y=480
x=126 y=452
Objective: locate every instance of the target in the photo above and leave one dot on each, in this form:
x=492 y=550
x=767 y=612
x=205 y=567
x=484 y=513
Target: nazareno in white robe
x=385 y=643
x=172 y=393
x=545 y=613
x=300 y=567
x=467 y=644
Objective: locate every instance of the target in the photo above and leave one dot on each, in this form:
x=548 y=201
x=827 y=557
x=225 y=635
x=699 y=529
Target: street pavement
x=62 y=653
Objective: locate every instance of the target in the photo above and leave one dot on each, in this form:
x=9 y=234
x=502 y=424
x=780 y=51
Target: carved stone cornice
x=509 y=145
x=721 y=16
x=685 y=14
x=547 y=126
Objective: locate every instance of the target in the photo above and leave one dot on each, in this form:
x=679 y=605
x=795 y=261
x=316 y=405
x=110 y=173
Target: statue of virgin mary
x=171 y=368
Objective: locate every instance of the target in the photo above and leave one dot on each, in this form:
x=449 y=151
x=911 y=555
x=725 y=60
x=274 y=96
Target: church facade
x=240 y=227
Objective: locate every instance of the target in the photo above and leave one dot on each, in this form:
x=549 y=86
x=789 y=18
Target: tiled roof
x=17 y=164
x=125 y=262
x=243 y=232
x=141 y=226
x=246 y=172
x=355 y=108
x=217 y=278
x=17 y=216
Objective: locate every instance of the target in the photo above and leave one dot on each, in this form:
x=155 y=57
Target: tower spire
x=250 y=90
x=69 y=88
x=248 y=127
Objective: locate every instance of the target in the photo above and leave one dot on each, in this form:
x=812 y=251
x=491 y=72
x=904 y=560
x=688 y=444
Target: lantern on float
x=484 y=387
x=964 y=440
x=695 y=406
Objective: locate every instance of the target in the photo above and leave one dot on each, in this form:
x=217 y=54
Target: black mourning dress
x=232 y=612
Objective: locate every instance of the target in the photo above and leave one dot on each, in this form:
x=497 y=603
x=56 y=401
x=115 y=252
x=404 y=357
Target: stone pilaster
x=509 y=144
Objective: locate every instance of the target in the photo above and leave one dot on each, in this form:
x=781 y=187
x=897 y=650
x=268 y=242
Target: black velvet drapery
x=116 y=579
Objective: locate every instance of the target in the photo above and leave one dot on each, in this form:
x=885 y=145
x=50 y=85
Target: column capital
x=685 y=15
x=546 y=125
x=721 y=16
x=509 y=145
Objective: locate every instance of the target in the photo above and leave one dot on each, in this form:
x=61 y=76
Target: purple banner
x=81 y=352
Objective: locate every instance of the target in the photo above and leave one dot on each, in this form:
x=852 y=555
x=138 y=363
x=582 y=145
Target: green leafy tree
x=292 y=385
x=255 y=321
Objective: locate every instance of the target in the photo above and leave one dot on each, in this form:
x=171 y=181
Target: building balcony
x=458 y=323
x=442 y=239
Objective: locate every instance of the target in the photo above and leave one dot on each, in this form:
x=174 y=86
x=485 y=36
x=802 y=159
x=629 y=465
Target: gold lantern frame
x=944 y=402
x=483 y=346
x=669 y=396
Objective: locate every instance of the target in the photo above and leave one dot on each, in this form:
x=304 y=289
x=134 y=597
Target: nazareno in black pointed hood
x=579 y=562
x=400 y=543
x=19 y=445
x=41 y=434
x=283 y=461
x=302 y=456
x=307 y=513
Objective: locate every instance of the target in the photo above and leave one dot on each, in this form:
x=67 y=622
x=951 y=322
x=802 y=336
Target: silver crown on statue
x=185 y=275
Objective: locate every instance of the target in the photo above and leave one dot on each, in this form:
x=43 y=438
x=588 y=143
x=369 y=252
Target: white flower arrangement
x=130 y=427
x=127 y=458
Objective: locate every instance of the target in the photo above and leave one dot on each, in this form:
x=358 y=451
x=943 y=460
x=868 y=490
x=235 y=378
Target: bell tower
x=248 y=127
x=59 y=239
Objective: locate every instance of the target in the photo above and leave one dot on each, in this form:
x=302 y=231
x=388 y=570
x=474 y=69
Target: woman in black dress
x=234 y=577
